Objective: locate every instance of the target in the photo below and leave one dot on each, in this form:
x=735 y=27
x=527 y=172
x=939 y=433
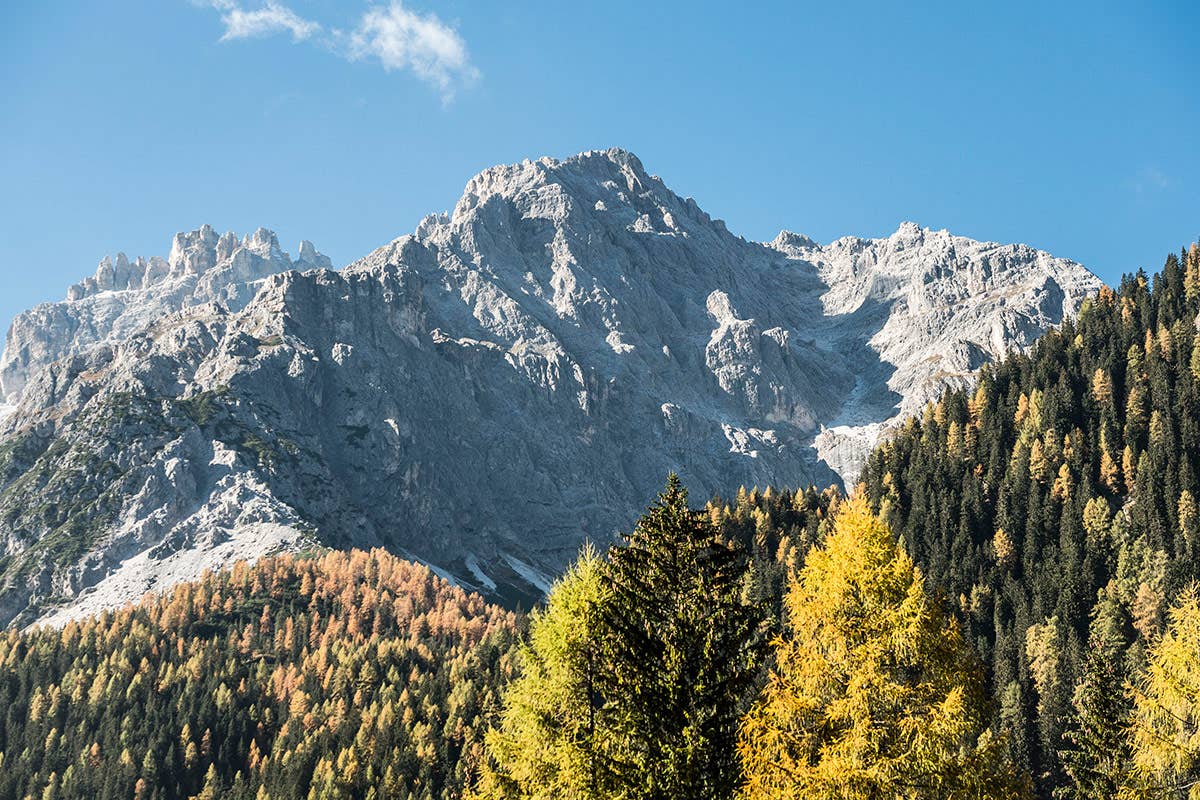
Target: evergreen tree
x=1097 y=755
x=875 y=693
x=1088 y=460
x=681 y=650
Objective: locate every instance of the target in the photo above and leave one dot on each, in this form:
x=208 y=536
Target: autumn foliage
x=346 y=675
x=874 y=692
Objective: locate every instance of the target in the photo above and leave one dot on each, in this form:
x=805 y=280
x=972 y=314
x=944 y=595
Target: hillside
x=351 y=674
x=1056 y=503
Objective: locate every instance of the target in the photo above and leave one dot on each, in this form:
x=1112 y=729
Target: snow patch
x=533 y=576
x=473 y=565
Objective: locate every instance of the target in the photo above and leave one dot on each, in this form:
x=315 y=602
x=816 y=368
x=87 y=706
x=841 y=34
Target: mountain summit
x=484 y=394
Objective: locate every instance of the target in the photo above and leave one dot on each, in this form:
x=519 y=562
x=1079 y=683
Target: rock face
x=484 y=394
x=124 y=297
x=934 y=308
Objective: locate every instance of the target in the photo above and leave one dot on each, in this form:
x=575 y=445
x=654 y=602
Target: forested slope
x=348 y=675
x=1059 y=497
x=342 y=675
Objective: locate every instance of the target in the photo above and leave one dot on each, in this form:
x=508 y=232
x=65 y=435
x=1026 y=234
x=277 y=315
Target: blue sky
x=1073 y=128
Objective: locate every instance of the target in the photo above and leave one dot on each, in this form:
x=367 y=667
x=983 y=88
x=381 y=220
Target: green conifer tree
x=682 y=650
x=1096 y=757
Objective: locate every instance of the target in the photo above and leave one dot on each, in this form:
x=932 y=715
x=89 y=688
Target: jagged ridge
x=124 y=297
x=509 y=380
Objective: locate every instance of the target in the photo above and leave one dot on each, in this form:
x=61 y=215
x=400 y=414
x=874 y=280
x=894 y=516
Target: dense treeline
x=775 y=528
x=349 y=675
x=640 y=679
x=1056 y=505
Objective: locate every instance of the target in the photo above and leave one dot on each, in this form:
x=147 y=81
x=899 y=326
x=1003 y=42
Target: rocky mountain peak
x=485 y=394
x=193 y=251
x=789 y=240
x=309 y=258
x=597 y=166
x=125 y=295
x=263 y=243
x=909 y=230
x=574 y=202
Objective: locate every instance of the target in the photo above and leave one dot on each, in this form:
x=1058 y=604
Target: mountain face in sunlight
x=485 y=394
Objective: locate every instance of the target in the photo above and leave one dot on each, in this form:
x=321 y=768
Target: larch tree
x=1166 y=714
x=875 y=693
x=552 y=738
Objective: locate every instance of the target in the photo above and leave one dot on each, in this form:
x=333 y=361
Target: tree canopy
x=1066 y=476
x=349 y=675
x=874 y=692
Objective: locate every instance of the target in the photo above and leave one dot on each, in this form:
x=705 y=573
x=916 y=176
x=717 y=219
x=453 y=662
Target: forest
x=1055 y=505
x=340 y=675
x=1005 y=607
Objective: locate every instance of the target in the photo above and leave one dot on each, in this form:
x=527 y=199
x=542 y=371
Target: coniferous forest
x=348 y=675
x=1055 y=505
x=1005 y=608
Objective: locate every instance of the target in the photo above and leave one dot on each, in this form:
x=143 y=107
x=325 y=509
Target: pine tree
x=682 y=647
x=552 y=742
x=875 y=692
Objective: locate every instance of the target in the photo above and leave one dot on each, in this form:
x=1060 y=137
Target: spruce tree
x=875 y=693
x=1096 y=757
x=682 y=649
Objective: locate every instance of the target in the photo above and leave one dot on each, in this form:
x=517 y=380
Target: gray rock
x=124 y=297
x=485 y=394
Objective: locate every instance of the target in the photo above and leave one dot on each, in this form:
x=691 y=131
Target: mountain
x=124 y=297
x=945 y=305
x=484 y=394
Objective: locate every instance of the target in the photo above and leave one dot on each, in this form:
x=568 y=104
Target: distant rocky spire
x=309 y=258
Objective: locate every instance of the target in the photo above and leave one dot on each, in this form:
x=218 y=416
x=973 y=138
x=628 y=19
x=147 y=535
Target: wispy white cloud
x=1152 y=178
x=1150 y=182
x=393 y=35
x=272 y=18
x=402 y=39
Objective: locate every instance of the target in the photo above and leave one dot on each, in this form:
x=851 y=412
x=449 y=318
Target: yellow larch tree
x=1166 y=715
x=874 y=693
